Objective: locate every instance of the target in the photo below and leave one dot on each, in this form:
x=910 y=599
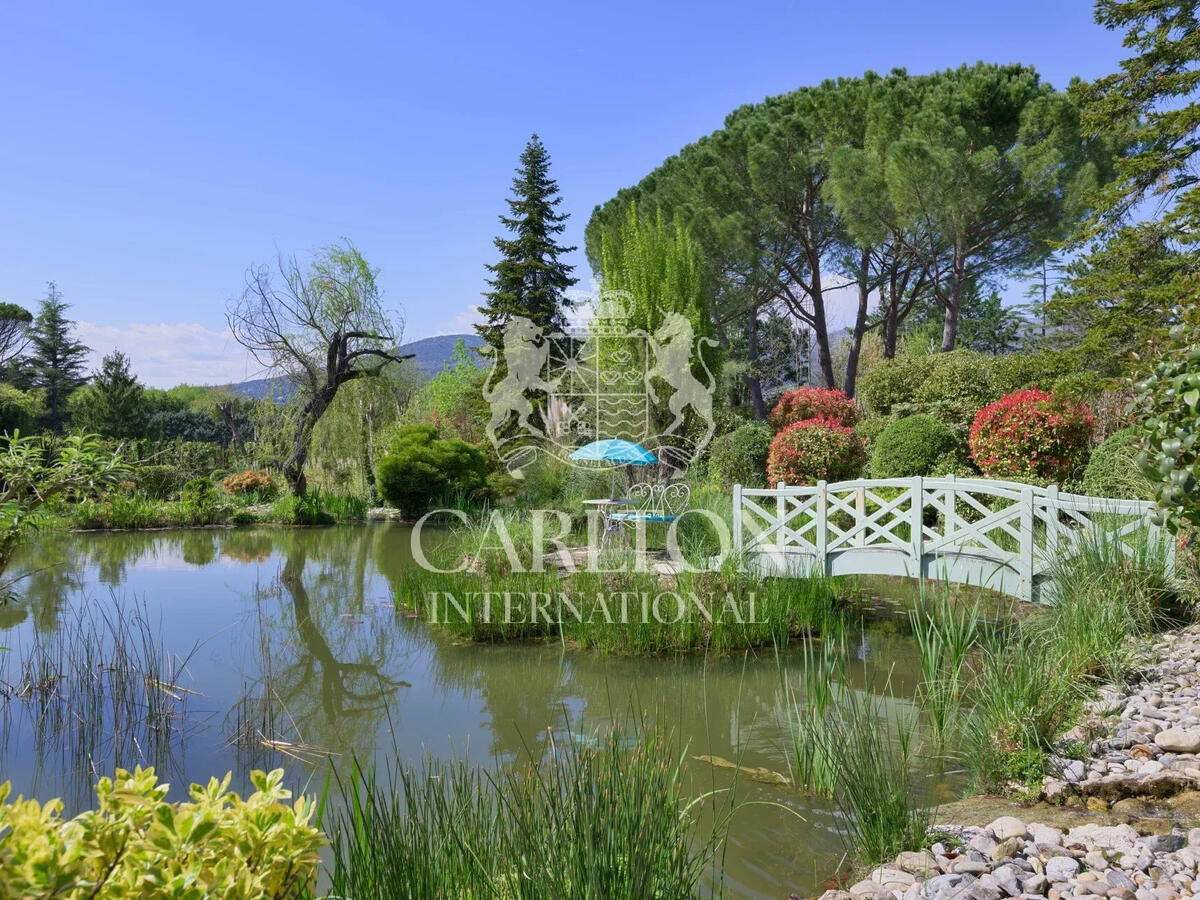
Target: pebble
x=1146 y=732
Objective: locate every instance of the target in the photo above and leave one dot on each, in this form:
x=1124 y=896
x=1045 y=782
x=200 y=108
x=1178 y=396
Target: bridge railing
x=997 y=534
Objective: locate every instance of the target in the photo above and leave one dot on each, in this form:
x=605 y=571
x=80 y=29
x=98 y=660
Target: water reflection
x=300 y=643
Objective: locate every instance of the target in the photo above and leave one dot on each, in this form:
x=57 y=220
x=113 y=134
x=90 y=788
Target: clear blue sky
x=150 y=152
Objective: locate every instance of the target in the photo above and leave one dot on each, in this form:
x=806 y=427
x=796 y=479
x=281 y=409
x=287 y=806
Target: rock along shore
x=1135 y=743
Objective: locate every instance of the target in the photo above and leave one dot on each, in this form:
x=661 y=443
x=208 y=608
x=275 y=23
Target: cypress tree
x=57 y=358
x=529 y=280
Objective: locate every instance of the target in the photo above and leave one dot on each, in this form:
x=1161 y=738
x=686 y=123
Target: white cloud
x=165 y=353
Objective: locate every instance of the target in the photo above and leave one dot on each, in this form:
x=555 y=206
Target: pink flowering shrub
x=813 y=450
x=1031 y=435
x=807 y=403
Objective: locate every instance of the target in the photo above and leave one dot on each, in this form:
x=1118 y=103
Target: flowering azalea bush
x=1031 y=435
x=814 y=450
x=248 y=482
x=807 y=403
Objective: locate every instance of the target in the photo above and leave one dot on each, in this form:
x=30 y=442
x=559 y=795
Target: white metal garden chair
x=655 y=503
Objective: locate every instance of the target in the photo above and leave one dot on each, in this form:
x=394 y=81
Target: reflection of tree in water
x=44 y=575
x=325 y=671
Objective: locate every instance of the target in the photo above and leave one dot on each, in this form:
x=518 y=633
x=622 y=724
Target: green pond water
x=297 y=635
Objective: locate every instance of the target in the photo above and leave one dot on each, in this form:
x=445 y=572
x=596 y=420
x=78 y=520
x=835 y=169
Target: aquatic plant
x=580 y=819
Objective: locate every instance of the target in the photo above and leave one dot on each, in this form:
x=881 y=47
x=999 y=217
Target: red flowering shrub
x=814 y=450
x=1031 y=435
x=807 y=403
x=248 y=481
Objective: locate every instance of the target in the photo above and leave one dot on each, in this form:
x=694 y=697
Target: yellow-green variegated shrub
x=135 y=844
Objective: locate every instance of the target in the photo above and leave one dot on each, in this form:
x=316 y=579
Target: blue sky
x=150 y=152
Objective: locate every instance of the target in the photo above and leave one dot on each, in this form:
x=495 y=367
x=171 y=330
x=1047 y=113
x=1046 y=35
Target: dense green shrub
x=959 y=384
x=1170 y=400
x=136 y=844
x=1031 y=435
x=200 y=502
x=1113 y=470
x=423 y=469
x=157 y=482
x=914 y=445
x=18 y=410
x=892 y=383
x=816 y=450
x=740 y=457
x=802 y=404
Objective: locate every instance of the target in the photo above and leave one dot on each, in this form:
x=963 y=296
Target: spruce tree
x=57 y=358
x=529 y=280
x=113 y=404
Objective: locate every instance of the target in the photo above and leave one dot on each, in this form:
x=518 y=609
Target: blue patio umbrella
x=615 y=450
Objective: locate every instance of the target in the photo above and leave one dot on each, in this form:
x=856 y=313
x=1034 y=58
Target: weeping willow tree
x=654 y=281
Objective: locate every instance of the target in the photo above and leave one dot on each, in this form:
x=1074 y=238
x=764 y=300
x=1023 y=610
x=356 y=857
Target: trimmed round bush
x=807 y=403
x=1113 y=470
x=423 y=469
x=815 y=450
x=740 y=456
x=1031 y=435
x=914 y=445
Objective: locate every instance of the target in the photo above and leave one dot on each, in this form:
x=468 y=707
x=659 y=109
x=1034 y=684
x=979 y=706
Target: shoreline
x=1122 y=821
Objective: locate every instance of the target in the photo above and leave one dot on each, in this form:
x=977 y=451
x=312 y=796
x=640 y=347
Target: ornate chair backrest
x=661 y=499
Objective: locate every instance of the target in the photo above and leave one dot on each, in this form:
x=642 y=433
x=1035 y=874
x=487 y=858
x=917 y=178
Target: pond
x=295 y=636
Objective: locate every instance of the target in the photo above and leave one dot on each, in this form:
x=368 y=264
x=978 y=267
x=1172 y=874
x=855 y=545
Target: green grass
x=580 y=820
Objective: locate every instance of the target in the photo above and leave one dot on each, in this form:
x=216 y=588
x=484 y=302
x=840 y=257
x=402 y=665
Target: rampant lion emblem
x=553 y=392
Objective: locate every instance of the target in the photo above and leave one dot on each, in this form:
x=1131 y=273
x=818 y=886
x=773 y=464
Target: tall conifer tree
x=530 y=279
x=57 y=358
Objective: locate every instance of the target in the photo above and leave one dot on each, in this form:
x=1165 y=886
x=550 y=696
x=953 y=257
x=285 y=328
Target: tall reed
x=576 y=821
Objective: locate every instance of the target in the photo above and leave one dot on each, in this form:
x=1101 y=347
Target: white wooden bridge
x=1000 y=535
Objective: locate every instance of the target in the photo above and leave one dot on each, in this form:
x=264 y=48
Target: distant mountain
x=430 y=356
x=432 y=353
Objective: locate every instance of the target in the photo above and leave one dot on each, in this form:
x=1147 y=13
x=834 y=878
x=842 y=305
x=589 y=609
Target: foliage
x=17 y=410
x=57 y=358
x=1031 y=434
x=1169 y=400
x=135 y=844
x=301 y=510
x=323 y=325
x=893 y=383
x=740 y=456
x=1113 y=469
x=806 y=403
x=914 y=445
x=815 y=450
x=200 y=501
x=602 y=817
x=34 y=472
x=14 y=331
x=112 y=405
x=423 y=468
x=452 y=400
x=248 y=482
x=530 y=279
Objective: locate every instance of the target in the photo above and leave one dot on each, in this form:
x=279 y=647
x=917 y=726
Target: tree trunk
x=753 y=384
x=860 y=327
x=953 y=303
x=821 y=330
x=293 y=469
